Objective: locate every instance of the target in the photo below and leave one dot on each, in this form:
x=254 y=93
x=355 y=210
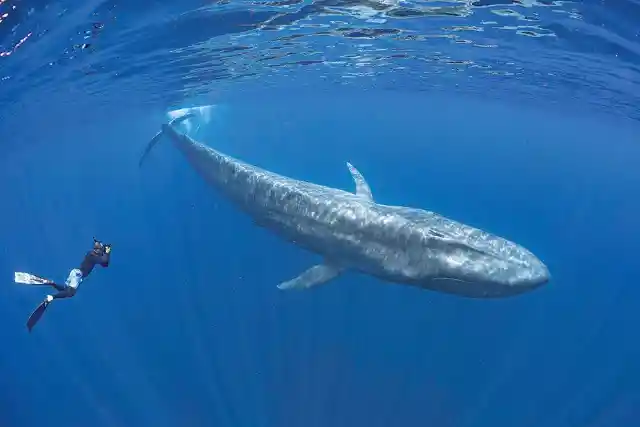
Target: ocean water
x=517 y=117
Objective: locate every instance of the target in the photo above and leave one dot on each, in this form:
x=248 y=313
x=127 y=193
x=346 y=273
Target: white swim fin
x=30 y=279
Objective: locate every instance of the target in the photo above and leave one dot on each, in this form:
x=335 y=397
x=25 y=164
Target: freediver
x=99 y=255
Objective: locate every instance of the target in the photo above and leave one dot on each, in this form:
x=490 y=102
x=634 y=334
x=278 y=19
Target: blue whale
x=354 y=233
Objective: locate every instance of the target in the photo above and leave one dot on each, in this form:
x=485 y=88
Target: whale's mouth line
x=475 y=283
x=475 y=289
x=451 y=279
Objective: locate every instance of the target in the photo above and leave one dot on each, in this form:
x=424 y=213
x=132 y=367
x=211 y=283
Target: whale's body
x=353 y=232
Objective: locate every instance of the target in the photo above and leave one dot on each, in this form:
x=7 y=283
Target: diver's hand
x=107 y=248
x=48 y=299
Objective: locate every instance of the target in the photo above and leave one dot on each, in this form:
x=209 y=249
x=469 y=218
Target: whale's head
x=477 y=264
x=450 y=257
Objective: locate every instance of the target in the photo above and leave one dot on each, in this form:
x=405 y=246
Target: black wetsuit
x=91 y=259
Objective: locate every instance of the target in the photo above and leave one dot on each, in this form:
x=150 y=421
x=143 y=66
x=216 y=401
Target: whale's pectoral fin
x=316 y=275
x=362 y=188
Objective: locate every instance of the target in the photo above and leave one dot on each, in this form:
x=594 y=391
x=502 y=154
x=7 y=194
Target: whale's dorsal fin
x=362 y=188
x=316 y=275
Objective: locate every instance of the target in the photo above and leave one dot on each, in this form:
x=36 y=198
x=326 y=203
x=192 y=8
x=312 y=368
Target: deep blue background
x=187 y=327
x=531 y=138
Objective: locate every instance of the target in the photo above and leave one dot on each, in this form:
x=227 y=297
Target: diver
x=99 y=255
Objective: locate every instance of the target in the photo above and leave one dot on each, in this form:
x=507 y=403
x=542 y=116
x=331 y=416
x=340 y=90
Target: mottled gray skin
x=352 y=232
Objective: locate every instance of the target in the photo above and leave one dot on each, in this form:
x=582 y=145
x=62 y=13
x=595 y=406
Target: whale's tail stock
x=158 y=135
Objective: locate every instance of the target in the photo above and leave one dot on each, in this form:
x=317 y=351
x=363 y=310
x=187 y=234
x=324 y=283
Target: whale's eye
x=436 y=233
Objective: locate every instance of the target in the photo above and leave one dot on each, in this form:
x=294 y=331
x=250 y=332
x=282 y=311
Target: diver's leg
x=71 y=280
x=58 y=287
x=69 y=288
x=66 y=293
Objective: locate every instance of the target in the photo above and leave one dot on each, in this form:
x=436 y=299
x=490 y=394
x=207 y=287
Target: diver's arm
x=106 y=256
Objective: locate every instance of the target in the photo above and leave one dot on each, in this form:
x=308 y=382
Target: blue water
x=520 y=118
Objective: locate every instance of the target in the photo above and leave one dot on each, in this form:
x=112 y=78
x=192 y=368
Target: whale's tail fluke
x=158 y=135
